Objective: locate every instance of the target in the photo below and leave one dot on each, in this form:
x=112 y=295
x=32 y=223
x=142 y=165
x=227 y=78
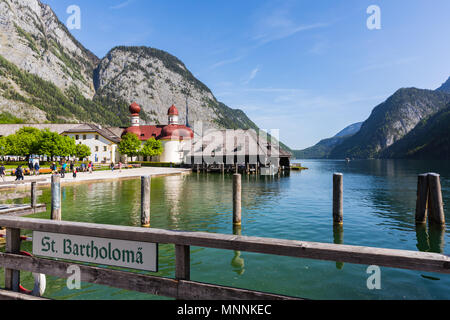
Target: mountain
x=445 y=86
x=322 y=149
x=155 y=80
x=390 y=121
x=430 y=139
x=46 y=75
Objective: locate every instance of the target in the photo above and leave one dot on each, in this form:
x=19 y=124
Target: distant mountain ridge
x=394 y=129
x=325 y=146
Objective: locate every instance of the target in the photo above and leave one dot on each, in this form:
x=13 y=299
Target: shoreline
x=99 y=176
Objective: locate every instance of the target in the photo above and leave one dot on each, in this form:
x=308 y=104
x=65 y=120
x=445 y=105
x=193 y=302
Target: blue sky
x=308 y=68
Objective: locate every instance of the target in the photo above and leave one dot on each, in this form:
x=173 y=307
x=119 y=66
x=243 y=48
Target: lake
x=379 y=208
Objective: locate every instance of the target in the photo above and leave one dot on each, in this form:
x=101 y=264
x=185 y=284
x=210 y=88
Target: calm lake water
x=379 y=205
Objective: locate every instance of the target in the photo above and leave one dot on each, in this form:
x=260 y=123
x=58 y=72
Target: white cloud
x=251 y=76
x=121 y=5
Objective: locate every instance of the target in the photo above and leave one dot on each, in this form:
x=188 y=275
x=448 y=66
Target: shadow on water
x=238 y=262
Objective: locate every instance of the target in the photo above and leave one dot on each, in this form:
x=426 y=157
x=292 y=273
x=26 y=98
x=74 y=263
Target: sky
x=307 y=68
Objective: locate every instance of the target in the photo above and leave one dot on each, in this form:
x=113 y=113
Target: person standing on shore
x=2 y=172
x=90 y=167
x=54 y=168
x=19 y=173
x=112 y=166
x=36 y=168
x=63 y=170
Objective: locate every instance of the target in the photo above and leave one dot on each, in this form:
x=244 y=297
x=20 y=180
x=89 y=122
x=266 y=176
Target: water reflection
x=338 y=238
x=431 y=239
x=237 y=262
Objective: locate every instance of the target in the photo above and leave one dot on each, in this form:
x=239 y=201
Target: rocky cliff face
x=32 y=37
x=156 y=80
x=390 y=121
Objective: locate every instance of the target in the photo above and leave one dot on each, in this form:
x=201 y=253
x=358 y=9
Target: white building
x=102 y=142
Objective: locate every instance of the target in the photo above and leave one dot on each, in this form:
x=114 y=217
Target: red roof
x=173 y=111
x=135 y=109
x=173 y=131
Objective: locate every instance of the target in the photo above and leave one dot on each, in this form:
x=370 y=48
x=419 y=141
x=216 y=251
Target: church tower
x=135 y=109
x=173 y=115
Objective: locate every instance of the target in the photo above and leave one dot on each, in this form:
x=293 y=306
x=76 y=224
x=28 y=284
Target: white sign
x=120 y=253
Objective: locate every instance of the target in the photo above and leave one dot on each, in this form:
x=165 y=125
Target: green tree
x=82 y=151
x=52 y=144
x=152 y=148
x=24 y=142
x=130 y=145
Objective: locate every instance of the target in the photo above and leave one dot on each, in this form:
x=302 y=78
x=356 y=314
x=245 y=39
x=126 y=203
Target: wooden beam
x=404 y=259
x=10 y=295
x=17 y=195
x=23 y=210
x=179 y=289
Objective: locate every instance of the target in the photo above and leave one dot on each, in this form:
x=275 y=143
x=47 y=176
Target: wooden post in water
x=435 y=204
x=338 y=207
x=422 y=198
x=56 y=198
x=33 y=194
x=237 y=193
x=145 y=201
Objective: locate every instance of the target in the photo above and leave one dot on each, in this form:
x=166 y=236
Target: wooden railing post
x=422 y=198
x=56 y=197
x=435 y=204
x=12 y=277
x=145 y=201
x=338 y=207
x=237 y=195
x=182 y=262
x=33 y=194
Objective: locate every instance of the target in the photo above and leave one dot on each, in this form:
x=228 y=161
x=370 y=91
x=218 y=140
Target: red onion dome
x=135 y=108
x=173 y=111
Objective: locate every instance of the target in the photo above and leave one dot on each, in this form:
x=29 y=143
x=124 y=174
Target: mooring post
x=145 y=201
x=33 y=194
x=338 y=207
x=12 y=277
x=237 y=194
x=435 y=204
x=422 y=198
x=56 y=197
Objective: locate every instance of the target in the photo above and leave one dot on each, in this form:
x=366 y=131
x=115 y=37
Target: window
x=84 y=137
x=96 y=148
x=96 y=137
x=77 y=137
x=105 y=148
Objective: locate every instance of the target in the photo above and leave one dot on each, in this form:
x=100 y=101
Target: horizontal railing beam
x=180 y=289
x=404 y=259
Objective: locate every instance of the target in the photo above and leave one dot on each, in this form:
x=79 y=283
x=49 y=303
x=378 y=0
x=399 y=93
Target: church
x=173 y=135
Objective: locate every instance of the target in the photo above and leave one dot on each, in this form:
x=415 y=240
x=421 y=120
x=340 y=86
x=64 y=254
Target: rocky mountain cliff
x=430 y=139
x=391 y=121
x=47 y=75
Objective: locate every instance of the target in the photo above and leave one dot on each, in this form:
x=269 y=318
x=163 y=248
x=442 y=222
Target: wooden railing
x=182 y=287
